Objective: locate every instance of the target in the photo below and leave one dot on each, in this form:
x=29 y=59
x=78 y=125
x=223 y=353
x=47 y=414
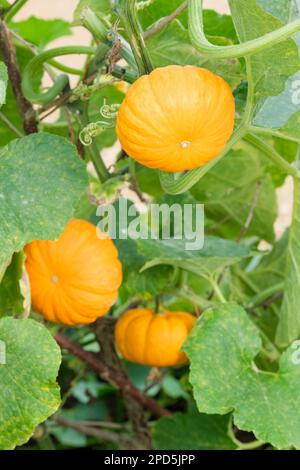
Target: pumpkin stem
x=127 y=11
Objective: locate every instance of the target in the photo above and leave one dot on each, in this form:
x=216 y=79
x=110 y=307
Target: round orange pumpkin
x=75 y=279
x=153 y=339
x=176 y=118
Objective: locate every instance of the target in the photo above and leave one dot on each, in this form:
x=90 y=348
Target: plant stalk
x=61 y=82
x=200 y=42
x=126 y=9
x=272 y=155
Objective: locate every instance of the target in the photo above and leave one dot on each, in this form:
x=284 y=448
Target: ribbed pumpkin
x=153 y=339
x=176 y=118
x=75 y=279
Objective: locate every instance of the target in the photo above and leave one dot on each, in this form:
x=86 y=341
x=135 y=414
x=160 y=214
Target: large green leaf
x=275 y=71
x=39 y=31
x=192 y=431
x=222 y=347
x=41 y=180
x=233 y=189
x=29 y=392
x=213 y=257
x=3 y=83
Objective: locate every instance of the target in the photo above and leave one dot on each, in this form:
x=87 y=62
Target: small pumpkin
x=176 y=118
x=145 y=337
x=75 y=279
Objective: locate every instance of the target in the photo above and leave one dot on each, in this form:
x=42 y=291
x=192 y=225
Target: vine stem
x=96 y=27
x=14 y=9
x=261 y=297
x=61 y=82
x=271 y=153
x=52 y=62
x=200 y=42
x=126 y=9
x=217 y=290
x=173 y=185
x=110 y=375
x=242 y=445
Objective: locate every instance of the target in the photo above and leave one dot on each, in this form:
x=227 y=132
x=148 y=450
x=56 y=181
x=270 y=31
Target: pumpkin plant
x=174 y=106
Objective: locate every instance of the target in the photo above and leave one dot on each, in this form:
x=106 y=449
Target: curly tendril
x=109 y=111
x=94 y=129
x=84 y=91
x=91 y=131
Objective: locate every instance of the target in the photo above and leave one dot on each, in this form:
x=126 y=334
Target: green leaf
x=216 y=25
x=29 y=393
x=235 y=187
x=275 y=71
x=101 y=7
x=148 y=283
x=148 y=181
x=157 y=10
x=11 y=298
x=39 y=31
x=3 y=83
x=41 y=180
x=213 y=257
x=289 y=321
x=222 y=347
x=192 y=431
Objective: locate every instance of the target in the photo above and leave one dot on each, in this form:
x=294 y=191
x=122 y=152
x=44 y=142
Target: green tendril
x=91 y=131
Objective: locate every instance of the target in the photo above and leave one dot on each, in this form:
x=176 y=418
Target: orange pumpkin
x=75 y=279
x=176 y=118
x=153 y=339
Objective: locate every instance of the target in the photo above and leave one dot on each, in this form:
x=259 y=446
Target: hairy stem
x=126 y=10
x=93 y=23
